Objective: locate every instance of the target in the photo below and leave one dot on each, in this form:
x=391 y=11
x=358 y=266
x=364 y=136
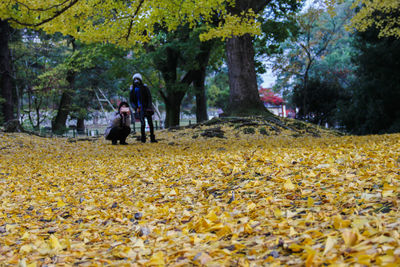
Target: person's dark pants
x=149 y=118
x=119 y=133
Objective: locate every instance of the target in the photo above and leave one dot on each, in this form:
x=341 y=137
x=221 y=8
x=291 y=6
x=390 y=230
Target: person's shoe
x=153 y=139
x=143 y=139
x=114 y=142
x=123 y=143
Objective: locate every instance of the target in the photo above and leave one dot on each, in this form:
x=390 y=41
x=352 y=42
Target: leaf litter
x=242 y=200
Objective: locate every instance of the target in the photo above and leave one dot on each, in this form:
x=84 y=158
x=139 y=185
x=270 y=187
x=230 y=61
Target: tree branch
x=132 y=17
x=56 y=14
x=41 y=9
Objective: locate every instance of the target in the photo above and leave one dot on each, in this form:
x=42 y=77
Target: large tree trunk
x=244 y=97
x=5 y=72
x=58 y=124
x=173 y=109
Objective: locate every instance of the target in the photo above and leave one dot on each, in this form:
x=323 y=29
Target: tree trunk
x=80 y=125
x=175 y=89
x=199 y=79
x=173 y=110
x=58 y=124
x=5 y=72
x=244 y=97
x=201 y=99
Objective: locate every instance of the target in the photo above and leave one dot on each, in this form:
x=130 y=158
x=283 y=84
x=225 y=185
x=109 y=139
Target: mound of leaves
x=238 y=127
x=248 y=199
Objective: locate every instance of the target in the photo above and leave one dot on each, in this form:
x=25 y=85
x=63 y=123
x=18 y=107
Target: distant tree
x=218 y=88
x=375 y=94
x=182 y=61
x=318 y=101
x=6 y=73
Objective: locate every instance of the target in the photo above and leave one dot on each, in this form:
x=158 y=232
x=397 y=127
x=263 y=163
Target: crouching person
x=119 y=127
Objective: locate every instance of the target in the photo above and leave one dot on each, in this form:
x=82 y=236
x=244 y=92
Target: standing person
x=119 y=127
x=141 y=103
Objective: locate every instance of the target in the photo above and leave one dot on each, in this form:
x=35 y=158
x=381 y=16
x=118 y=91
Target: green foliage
x=374 y=106
x=217 y=87
x=320 y=49
x=277 y=24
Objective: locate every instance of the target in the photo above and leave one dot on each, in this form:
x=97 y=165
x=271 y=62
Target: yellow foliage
x=126 y=22
x=247 y=200
x=382 y=14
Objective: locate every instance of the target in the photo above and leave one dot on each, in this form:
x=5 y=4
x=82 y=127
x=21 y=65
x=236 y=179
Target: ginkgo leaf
x=289 y=185
x=157 y=259
x=172 y=201
x=54 y=243
x=349 y=237
x=330 y=243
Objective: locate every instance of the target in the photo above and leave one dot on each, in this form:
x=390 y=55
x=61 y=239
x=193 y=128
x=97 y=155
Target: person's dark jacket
x=145 y=97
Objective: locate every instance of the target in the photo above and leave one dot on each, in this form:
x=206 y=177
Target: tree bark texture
x=173 y=109
x=58 y=124
x=201 y=98
x=244 y=97
x=175 y=90
x=80 y=125
x=6 y=72
x=199 y=79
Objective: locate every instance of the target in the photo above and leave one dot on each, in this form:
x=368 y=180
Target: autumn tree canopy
x=125 y=22
x=128 y=22
x=387 y=24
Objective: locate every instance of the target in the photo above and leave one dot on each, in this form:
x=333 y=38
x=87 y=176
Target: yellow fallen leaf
x=251 y=206
x=310 y=202
x=364 y=259
x=330 y=243
x=54 y=243
x=25 y=236
x=60 y=203
x=386 y=259
x=25 y=249
x=212 y=216
x=156 y=259
x=349 y=237
x=289 y=185
x=278 y=213
x=295 y=247
x=292 y=232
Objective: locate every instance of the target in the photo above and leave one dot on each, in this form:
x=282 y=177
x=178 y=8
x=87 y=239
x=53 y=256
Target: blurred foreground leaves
x=245 y=200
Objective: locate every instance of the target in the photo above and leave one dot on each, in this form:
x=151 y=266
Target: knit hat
x=138 y=76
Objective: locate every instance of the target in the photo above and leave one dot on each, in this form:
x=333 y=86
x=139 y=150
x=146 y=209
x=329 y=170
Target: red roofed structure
x=274 y=103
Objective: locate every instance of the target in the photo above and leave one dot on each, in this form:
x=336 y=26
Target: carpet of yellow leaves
x=247 y=200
